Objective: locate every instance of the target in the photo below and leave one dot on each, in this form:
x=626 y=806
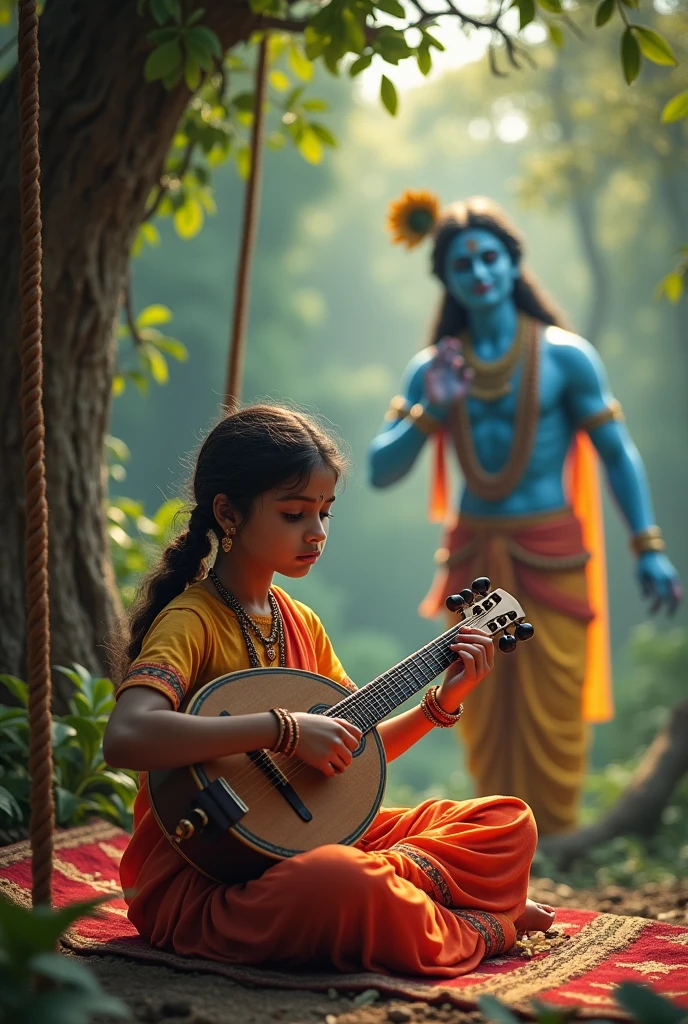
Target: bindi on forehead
x=472 y=245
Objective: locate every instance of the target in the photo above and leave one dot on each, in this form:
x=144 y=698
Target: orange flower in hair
x=412 y=217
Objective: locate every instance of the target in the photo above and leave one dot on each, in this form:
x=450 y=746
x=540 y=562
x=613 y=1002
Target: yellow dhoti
x=525 y=726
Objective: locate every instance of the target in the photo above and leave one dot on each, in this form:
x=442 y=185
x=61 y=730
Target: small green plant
x=40 y=986
x=84 y=785
x=644 y=1006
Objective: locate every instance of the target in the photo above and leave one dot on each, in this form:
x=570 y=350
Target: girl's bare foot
x=537 y=917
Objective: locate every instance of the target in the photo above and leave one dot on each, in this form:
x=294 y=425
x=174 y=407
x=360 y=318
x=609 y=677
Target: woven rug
x=602 y=949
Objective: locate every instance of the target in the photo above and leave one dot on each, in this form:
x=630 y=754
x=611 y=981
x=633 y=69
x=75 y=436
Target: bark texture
x=104 y=136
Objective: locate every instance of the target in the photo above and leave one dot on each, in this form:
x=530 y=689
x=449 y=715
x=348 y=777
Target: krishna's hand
x=447 y=378
x=659 y=581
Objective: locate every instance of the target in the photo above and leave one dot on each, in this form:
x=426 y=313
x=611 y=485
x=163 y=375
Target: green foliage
x=83 y=784
x=136 y=541
x=673 y=285
x=643 y=1005
x=38 y=985
x=151 y=348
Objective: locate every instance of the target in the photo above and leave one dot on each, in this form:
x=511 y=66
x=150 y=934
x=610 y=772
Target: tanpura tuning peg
x=455 y=602
x=507 y=643
x=524 y=631
x=481 y=586
x=467 y=595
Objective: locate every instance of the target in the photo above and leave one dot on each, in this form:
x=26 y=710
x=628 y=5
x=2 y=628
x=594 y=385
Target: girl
x=428 y=891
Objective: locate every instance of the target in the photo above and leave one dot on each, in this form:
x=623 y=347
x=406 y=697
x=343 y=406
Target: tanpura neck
x=493 y=330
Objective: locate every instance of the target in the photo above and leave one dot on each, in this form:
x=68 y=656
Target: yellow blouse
x=197 y=638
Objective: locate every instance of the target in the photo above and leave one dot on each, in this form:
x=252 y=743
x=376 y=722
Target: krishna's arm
x=410 y=420
x=594 y=409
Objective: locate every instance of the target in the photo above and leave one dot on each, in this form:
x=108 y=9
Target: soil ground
x=160 y=995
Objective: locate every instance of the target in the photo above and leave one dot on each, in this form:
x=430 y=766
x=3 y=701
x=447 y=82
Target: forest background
x=600 y=189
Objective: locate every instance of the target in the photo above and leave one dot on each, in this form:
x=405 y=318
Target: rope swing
x=42 y=820
x=249 y=230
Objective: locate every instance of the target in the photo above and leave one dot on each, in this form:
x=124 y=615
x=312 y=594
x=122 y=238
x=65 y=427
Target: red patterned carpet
x=602 y=951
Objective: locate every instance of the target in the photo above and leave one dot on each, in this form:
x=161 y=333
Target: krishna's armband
x=399 y=408
x=611 y=412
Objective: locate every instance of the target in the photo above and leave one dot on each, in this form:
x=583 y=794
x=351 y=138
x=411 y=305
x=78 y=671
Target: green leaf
x=9 y=806
x=654 y=47
x=243 y=161
x=192 y=73
x=279 y=81
x=435 y=43
x=354 y=33
x=392 y=45
x=173 y=347
x=314 y=42
x=17 y=687
x=360 y=64
x=676 y=109
x=631 y=58
x=315 y=105
x=309 y=146
x=195 y=16
x=423 y=59
x=205 y=38
x=160 y=11
x=299 y=63
x=392 y=7
x=551 y=6
x=162 y=35
x=388 y=95
x=324 y=134
x=188 y=219
x=152 y=315
x=244 y=101
x=672 y=286
x=197 y=52
x=37 y=931
x=555 y=34
x=604 y=12
x=527 y=12
x=496 y=1011
x=163 y=61
x=157 y=363
x=646 y=1006
x=65 y=971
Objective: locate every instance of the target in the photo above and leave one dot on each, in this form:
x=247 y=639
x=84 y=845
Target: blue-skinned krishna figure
x=525 y=404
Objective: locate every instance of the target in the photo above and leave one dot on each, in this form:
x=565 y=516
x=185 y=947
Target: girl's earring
x=227 y=539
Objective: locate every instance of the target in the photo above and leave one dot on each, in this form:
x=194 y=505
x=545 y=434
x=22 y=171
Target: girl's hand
x=475 y=660
x=326 y=743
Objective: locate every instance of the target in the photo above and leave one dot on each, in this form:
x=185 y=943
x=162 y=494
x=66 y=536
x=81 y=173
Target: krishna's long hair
x=529 y=295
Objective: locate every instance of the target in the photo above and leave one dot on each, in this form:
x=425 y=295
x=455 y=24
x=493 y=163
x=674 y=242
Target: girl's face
x=288 y=526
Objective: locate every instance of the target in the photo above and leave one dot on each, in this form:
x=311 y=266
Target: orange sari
x=429 y=891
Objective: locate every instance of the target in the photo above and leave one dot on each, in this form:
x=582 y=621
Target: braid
x=183 y=561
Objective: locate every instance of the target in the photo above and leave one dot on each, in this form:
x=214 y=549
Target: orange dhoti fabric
x=524 y=727
x=430 y=891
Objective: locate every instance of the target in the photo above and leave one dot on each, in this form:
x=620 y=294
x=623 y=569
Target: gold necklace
x=496 y=486
x=492 y=378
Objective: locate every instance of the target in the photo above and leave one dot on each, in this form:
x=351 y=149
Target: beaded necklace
x=248 y=625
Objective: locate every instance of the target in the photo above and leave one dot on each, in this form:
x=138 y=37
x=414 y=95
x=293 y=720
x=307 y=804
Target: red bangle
x=435 y=713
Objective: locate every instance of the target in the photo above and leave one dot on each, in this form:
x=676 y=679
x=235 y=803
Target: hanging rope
x=42 y=820
x=249 y=230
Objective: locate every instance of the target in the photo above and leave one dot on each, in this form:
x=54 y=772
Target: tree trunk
x=104 y=136
x=639 y=810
